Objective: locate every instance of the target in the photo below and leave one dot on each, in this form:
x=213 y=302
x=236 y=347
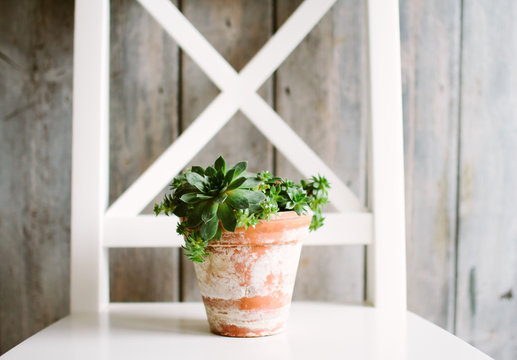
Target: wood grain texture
x=430 y=44
x=320 y=92
x=237 y=30
x=144 y=122
x=487 y=252
x=35 y=143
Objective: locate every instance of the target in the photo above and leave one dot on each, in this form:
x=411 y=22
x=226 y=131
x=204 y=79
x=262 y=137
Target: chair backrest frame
x=95 y=227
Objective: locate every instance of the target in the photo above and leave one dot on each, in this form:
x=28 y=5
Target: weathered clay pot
x=247 y=280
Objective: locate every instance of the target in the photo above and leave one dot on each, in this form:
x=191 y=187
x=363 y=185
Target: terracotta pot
x=247 y=280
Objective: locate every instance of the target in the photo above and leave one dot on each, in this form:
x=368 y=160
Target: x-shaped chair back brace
x=238 y=91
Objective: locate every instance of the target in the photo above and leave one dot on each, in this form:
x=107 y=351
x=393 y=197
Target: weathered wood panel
x=35 y=142
x=321 y=93
x=144 y=122
x=487 y=252
x=237 y=30
x=430 y=44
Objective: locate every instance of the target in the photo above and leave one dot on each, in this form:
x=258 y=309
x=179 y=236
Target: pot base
x=235 y=322
x=243 y=332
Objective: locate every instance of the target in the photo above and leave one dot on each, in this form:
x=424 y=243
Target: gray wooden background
x=460 y=107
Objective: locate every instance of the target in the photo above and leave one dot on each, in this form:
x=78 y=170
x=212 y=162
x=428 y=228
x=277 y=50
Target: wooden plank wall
x=320 y=92
x=460 y=134
x=486 y=312
x=36 y=47
x=144 y=121
x=430 y=39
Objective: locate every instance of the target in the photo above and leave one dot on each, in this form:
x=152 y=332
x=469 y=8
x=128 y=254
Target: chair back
x=97 y=227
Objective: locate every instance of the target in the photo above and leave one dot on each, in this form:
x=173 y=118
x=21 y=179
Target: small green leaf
x=229 y=176
x=300 y=210
x=221 y=198
x=251 y=182
x=190 y=198
x=255 y=197
x=195 y=247
x=240 y=167
x=227 y=216
x=220 y=165
x=181 y=228
x=194 y=218
x=255 y=207
x=209 y=229
x=220 y=177
x=196 y=180
x=176 y=182
x=264 y=175
x=181 y=210
x=218 y=233
x=203 y=196
x=246 y=219
x=236 y=183
x=211 y=172
x=209 y=212
x=198 y=169
x=237 y=199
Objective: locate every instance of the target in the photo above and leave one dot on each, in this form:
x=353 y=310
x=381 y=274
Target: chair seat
x=180 y=331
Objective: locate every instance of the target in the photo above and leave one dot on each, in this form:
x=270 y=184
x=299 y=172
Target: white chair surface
x=180 y=331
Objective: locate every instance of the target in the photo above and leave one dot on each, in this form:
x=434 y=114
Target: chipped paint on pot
x=247 y=280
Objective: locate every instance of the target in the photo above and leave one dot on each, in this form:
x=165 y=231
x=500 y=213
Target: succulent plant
x=212 y=199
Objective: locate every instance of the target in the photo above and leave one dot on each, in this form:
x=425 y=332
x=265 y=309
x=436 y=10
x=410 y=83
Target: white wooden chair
x=98 y=329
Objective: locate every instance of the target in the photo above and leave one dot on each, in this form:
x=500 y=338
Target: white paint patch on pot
x=220 y=278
